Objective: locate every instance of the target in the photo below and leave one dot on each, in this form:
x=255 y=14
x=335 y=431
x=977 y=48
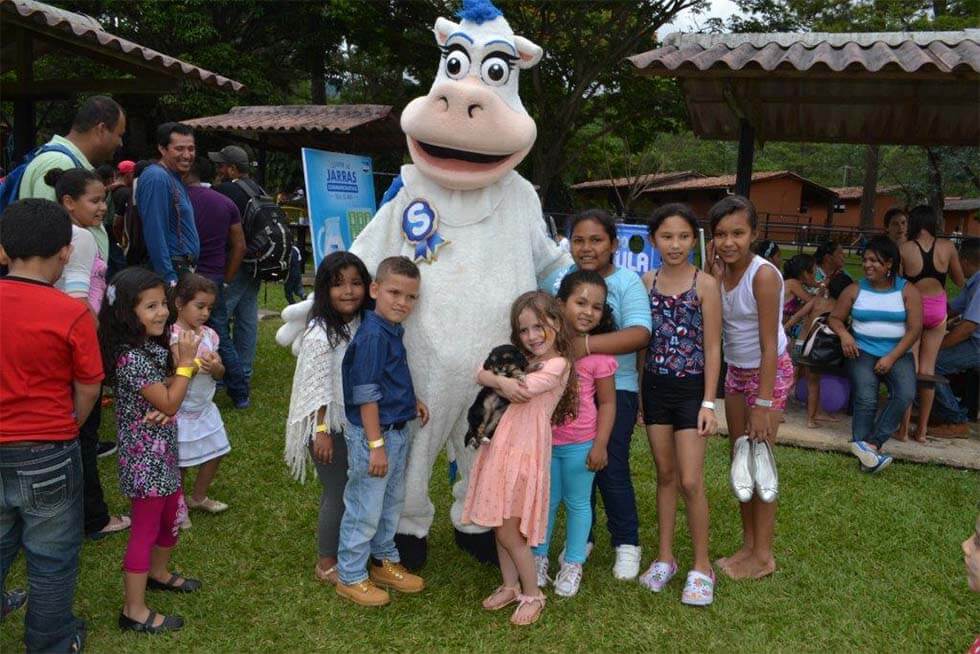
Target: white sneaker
x=541 y=564
x=568 y=579
x=627 y=562
x=588 y=550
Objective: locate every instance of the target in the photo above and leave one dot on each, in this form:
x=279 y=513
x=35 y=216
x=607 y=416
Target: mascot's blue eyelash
x=446 y=49
x=508 y=57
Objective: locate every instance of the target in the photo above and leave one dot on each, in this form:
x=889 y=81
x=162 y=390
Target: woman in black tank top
x=930 y=280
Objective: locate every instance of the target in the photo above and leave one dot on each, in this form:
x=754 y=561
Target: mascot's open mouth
x=462 y=155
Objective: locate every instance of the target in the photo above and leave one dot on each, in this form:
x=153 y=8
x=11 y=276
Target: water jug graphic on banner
x=330 y=238
x=340 y=198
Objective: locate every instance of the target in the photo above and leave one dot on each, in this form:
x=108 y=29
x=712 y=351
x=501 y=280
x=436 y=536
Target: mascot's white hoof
x=295 y=318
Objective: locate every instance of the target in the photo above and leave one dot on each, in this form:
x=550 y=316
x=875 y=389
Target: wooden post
x=746 y=150
x=869 y=189
x=24 y=128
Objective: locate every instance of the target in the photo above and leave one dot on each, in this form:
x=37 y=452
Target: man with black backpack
x=267 y=249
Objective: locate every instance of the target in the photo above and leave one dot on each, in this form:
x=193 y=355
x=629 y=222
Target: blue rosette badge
x=420 y=225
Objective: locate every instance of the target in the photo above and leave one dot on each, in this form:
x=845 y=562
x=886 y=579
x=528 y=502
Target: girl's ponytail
x=72 y=182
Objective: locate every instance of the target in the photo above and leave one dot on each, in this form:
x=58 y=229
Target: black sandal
x=170 y=623
x=189 y=585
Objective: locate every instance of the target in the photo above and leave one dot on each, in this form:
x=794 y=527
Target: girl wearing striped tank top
x=886 y=314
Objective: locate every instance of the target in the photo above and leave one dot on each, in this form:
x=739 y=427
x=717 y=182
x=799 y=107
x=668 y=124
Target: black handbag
x=822 y=346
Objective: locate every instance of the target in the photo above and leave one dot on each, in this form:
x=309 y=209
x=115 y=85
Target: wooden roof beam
x=48 y=89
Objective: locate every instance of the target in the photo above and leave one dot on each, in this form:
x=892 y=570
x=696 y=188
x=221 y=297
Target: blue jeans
x=571 y=484
x=900 y=382
x=294 y=277
x=372 y=505
x=41 y=511
x=234 y=378
x=614 y=481
x=242 y=303
x=951 y=360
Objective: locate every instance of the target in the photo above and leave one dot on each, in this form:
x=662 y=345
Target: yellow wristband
x=198 y=362
x=373 y=445
x=321 y=429
x=186 y=371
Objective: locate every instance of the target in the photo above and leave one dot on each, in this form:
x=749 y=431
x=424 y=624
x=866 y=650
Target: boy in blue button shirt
x=379 y=400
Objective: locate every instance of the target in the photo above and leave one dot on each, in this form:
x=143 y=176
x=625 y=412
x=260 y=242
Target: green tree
x=584 y=82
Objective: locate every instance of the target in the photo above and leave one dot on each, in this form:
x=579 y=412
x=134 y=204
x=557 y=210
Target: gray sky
x=688 y=22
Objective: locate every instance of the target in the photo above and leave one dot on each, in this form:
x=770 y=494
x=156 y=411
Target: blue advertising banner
x=339 y=197
x=635 y=251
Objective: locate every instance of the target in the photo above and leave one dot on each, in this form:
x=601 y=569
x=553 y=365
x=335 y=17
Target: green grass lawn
x=865 y=564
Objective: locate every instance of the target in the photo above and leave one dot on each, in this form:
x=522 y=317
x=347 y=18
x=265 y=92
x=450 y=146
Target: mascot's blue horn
x=478 y=11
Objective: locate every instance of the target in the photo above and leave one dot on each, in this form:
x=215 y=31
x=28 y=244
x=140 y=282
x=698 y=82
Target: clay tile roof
x=910 y=52
x=73 y=27
x=296 y=118
x=855 y=192
x=961 y=204
x=717 y=182
x=902 y=88
x=651 y=179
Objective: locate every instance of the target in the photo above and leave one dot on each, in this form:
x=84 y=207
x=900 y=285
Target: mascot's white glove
x=295 y=318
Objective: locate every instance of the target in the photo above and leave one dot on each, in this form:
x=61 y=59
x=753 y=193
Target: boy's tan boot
x=364 y=593
x=394 y=575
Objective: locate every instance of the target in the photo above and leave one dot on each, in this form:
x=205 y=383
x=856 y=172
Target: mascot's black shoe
x=412 y=550
x=481 y=547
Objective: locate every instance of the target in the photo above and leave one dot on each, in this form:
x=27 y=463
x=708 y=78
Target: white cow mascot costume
x=475 y=229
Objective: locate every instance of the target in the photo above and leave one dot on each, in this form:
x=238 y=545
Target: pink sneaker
x=699 y=589
x=658 y=575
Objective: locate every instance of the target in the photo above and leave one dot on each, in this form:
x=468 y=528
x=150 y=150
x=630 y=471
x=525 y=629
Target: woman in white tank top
x=760 y=374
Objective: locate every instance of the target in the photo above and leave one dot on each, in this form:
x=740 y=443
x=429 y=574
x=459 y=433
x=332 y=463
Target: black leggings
x=96 y=511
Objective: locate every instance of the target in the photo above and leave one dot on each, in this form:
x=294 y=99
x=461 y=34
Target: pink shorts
x=745 y=381
x=933 y=310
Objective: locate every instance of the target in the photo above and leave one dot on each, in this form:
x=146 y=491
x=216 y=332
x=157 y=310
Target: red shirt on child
x=47 y=342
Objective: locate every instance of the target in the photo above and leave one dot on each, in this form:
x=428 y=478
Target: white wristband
x=708 y=405
x=763 y=404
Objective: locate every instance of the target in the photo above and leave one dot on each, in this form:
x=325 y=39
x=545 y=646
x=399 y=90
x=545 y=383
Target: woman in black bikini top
x=931 y=282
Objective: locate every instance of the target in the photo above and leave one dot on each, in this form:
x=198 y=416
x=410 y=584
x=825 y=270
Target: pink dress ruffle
x=511 y=475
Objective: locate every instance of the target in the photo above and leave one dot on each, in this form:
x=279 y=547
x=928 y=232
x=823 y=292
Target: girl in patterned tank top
x=680 y=378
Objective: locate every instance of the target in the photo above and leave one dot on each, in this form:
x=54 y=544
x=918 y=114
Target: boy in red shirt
x=50 y=373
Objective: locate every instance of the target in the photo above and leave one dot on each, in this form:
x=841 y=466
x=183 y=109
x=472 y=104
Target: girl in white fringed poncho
x=316 y=404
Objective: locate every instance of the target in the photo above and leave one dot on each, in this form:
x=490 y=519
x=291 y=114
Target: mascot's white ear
x=295 y=316
x=443 y=30
x=530 y=52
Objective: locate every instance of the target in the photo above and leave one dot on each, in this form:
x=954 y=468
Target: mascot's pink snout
x=463 y=135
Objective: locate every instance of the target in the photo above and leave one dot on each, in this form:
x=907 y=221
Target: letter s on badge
x=420 y=224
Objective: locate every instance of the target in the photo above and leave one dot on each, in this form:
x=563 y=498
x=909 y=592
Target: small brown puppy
x=488 y=408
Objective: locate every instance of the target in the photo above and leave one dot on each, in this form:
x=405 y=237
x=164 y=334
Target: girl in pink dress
x=509 y=484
